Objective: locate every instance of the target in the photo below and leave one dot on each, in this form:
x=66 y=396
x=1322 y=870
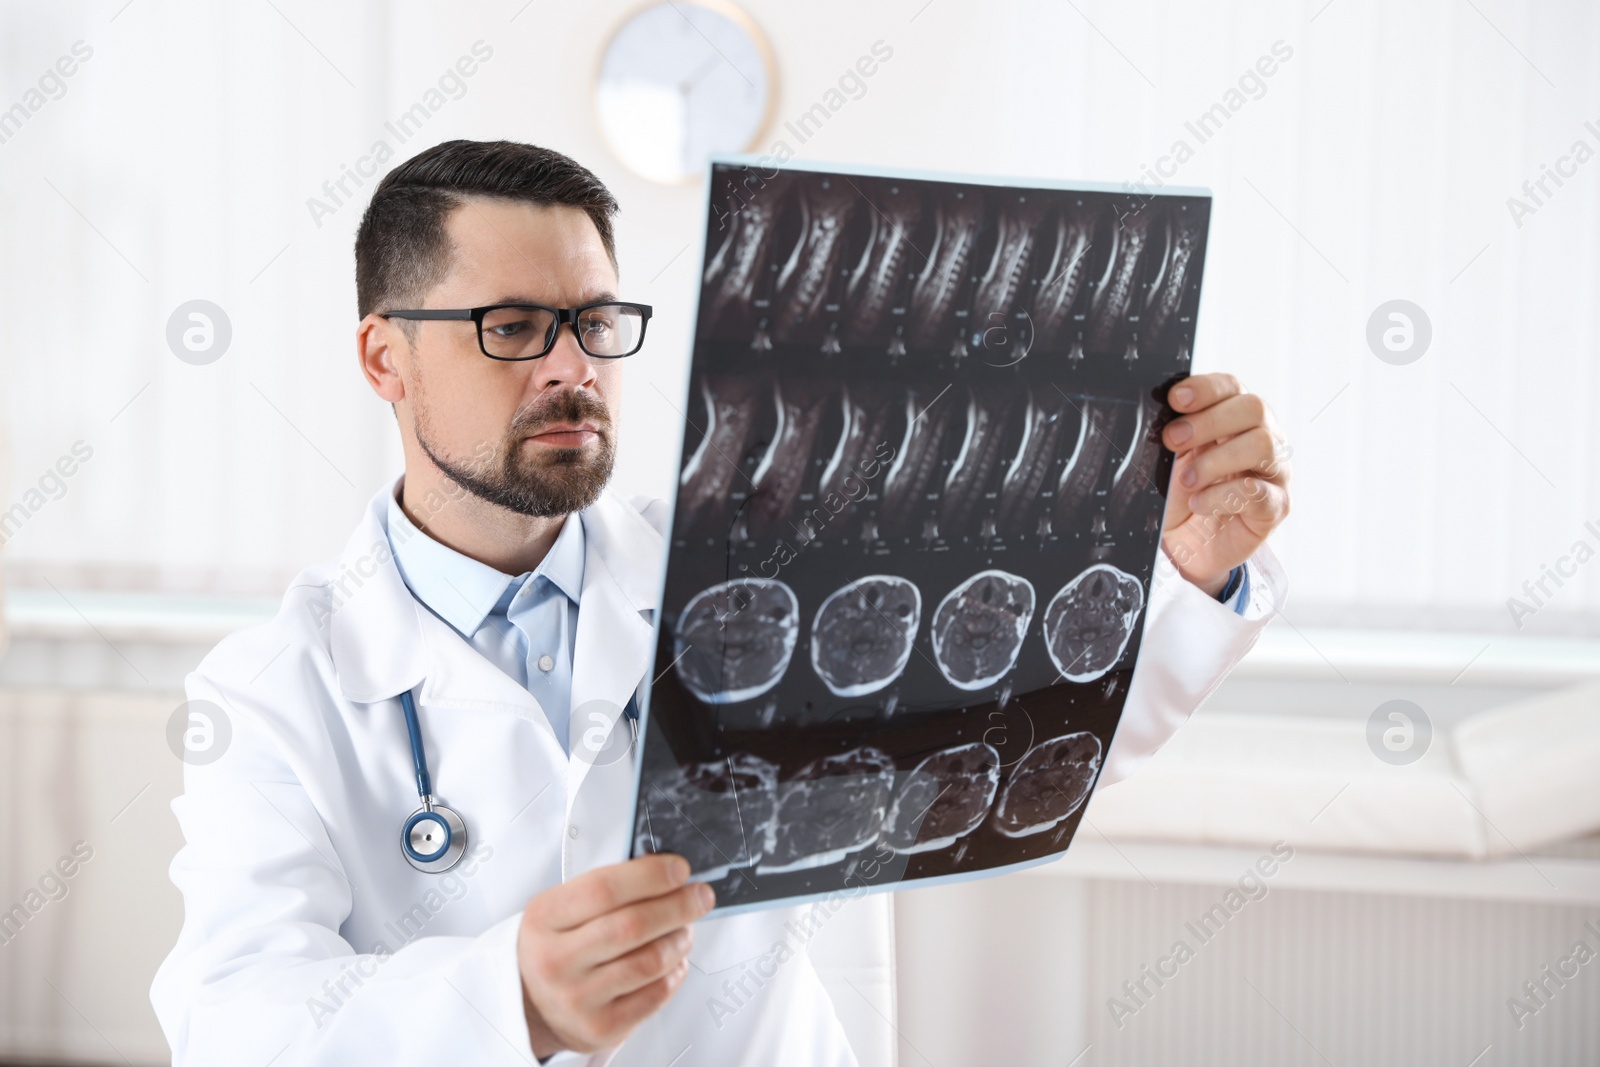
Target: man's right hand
x=603 y=952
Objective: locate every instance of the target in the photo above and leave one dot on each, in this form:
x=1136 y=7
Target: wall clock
x=680 y=80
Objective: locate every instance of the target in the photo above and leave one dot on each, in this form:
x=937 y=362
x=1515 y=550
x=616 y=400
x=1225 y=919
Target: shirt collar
x=463 y=591
x=563 y=564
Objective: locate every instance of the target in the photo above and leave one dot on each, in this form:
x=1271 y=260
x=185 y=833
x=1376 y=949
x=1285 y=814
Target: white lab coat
x=307 y=939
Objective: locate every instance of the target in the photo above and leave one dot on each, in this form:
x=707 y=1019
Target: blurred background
x=1377 y=843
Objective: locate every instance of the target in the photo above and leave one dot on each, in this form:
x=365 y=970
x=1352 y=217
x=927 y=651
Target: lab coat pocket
x=723 y=943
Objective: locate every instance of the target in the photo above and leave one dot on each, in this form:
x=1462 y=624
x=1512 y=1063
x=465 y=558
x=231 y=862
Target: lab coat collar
x=384 y=642
x=375 y=625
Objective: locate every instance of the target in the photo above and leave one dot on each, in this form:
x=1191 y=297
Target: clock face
x=679 y=81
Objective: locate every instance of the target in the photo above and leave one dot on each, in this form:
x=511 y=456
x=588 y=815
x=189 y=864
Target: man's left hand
x=1230 y=483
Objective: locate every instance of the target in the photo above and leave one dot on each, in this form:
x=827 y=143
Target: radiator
x=1031 y=969
x=1315 y=978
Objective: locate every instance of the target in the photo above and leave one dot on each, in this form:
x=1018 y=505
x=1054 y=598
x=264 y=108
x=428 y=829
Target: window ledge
x=1419 y=657
x=72 y=615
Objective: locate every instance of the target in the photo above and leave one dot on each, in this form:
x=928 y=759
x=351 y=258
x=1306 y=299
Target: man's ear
x=380 y=349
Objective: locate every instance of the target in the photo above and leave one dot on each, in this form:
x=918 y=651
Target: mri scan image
x=1086 y=458
x=734 y=640
x=943 y=799
x=731 y=410
x=921 y=486
x=978 y=628
x=887 y=255
x=784 y=464
x=1088 y=624
x=832 y=807
x=987 y=419
x=863 y=633
x=717 y=815
x=1048 y=784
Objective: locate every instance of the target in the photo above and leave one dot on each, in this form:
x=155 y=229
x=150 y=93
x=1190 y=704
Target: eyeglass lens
x=524 y=332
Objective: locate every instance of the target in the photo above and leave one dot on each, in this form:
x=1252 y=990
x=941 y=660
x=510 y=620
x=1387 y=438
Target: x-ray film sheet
x=919 y=503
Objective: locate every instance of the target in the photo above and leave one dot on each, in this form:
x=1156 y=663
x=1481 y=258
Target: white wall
x=1376 y=164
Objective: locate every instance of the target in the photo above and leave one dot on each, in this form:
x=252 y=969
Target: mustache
x=567 y=406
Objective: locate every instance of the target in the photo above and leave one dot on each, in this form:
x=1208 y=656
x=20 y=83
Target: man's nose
x=565 y=363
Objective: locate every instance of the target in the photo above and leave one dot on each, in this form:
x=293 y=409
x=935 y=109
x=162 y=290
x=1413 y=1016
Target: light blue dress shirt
x=1237 y=589
x=526 y=625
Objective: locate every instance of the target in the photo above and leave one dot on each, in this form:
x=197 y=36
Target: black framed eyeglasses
x=608 y=329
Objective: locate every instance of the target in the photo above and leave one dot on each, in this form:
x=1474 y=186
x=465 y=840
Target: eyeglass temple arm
x=456 y=313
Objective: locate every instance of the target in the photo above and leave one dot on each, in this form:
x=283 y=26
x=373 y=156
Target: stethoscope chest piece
x=433 y=839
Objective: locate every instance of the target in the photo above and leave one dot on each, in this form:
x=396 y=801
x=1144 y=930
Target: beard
x=550 y=482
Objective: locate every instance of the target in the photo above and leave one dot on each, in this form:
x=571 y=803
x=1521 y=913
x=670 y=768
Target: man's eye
x=510 y=329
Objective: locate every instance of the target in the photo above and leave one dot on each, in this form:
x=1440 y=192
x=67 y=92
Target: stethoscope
x=434 y=837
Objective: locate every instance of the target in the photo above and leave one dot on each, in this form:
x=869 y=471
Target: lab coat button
x=572 y=831
x=546 y=663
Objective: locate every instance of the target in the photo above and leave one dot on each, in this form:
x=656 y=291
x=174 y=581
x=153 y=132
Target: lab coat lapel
x=621 y=578
x=375 y=626
x=384 y=642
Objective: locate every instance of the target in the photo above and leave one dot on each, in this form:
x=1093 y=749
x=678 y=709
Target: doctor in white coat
x=500 y=586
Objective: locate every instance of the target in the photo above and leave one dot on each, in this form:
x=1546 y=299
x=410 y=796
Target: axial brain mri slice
x=1048 y=784
x=862 y=635
x=1089 y=622
x=978 y=628
x=943 y=799
x=734 y=640
x=832 y=807
x=717 y=814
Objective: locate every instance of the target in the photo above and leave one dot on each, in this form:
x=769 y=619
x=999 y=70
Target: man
x=501 y=586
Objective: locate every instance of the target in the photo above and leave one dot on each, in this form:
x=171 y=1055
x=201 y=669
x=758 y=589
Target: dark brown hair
x=402 y=247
